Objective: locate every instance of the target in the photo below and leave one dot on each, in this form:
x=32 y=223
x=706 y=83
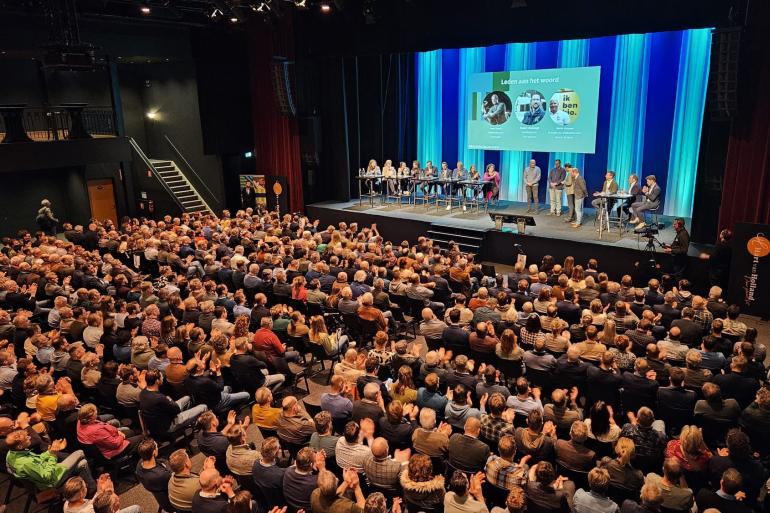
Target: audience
x=174 y=325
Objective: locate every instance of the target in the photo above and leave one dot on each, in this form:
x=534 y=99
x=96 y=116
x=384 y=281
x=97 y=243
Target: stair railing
x=138 y=150
x=192 y=170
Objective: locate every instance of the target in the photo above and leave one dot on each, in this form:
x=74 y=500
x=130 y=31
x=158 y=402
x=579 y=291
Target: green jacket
x=41 y=469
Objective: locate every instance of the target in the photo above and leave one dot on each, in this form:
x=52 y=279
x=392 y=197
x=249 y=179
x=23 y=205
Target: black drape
x=366 y=109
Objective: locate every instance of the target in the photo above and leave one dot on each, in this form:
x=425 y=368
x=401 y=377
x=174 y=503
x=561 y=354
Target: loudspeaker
x=723 y=79
x=310 y=139
x=280 y=75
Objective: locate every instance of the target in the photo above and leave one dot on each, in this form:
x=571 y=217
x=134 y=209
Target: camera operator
x=678 y=248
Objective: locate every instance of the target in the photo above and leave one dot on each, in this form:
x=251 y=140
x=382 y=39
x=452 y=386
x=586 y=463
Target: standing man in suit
x=556 y=178
x=651 y=200
x=248 y=196
x=610 y=187
x=531 y=182
x=581 y=192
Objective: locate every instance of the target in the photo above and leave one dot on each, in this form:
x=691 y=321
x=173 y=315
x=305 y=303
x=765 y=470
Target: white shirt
x=560 y=117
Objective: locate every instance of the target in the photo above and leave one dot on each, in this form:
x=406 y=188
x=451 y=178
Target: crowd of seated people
x=124 y=350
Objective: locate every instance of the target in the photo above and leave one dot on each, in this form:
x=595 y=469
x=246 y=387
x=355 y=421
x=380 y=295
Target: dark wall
x=145 y=54
x=364 y=105
x=170 y=91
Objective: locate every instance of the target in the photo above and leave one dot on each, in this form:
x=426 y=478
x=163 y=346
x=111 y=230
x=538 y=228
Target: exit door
x=101 y=196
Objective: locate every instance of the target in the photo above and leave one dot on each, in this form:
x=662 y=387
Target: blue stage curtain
x=629 y=106
x=518 y=56
x=472 y=60
x=572 y=54
x=688 y=120
x=429 y=107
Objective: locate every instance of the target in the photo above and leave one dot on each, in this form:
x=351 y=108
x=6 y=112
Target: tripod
x=649 y=250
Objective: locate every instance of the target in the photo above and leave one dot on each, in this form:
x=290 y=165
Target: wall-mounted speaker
x=280 y=75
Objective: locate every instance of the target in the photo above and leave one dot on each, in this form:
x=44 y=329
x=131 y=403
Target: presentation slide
x=534 y=110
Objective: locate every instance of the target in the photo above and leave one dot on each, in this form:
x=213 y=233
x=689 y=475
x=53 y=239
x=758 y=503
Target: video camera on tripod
x=647 y=231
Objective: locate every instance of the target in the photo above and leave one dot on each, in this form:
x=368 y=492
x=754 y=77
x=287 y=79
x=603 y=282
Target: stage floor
x=547 y=226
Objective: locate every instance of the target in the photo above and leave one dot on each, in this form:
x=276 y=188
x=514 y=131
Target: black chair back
x=415 y=307
x=579 y=477
x=714 y=430
x=511 y=369
x=674 y=418
x=494 y=495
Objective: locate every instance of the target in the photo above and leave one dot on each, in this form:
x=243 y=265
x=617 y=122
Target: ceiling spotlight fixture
x=233 y=20
x=145 y=9
x=301 y=4
x=325 y=7
x=261 y=7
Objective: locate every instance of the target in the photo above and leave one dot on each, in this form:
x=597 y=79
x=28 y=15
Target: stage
x=551 y=235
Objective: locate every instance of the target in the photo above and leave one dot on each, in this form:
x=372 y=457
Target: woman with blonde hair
x=596 y=311
x=608 y=334
x=622 y=474
x=298 y=289
x=389 y=176
x=577 y=280
x=110 y=441
x=690 y=449
x=333 y=343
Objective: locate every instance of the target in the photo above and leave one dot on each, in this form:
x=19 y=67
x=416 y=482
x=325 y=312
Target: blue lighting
x=651 y=103
x=518 y=56
x=472 y=60
x=688 y=120
x=429 y=106
x=629 y=106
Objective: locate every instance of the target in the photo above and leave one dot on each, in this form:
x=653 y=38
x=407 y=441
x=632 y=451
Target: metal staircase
x=181 y=188
x=174 y=182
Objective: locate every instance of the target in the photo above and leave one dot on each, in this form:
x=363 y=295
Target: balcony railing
x=19 y=123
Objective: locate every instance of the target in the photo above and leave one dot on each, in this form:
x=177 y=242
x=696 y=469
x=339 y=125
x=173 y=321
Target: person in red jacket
x=110 y=441
x=267 y=341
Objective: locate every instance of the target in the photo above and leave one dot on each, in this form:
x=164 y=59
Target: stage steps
x=470 y=240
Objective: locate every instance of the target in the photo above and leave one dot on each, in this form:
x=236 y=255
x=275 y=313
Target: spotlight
x=233 y=20
x=325 y=7
x=145 y=9
x=261 y=7
x=300 y=4
x=153 y=114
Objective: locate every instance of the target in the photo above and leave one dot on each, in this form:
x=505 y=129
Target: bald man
x=381 y=469
x=214 y=494
x=466 y=451
x=7 y=425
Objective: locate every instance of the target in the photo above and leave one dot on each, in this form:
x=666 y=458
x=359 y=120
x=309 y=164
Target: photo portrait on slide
x=564 y=107
x=496 y=108
x=530 y=109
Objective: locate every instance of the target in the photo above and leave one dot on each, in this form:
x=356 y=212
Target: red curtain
x=276 y=136
x=746 y=188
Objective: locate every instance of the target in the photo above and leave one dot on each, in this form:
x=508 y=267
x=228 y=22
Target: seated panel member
x=460 y=173
x=651 y=200
x=429 y=172
x=389 y=177
x=402 y=173
x=610 y=186
x=635 y=191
